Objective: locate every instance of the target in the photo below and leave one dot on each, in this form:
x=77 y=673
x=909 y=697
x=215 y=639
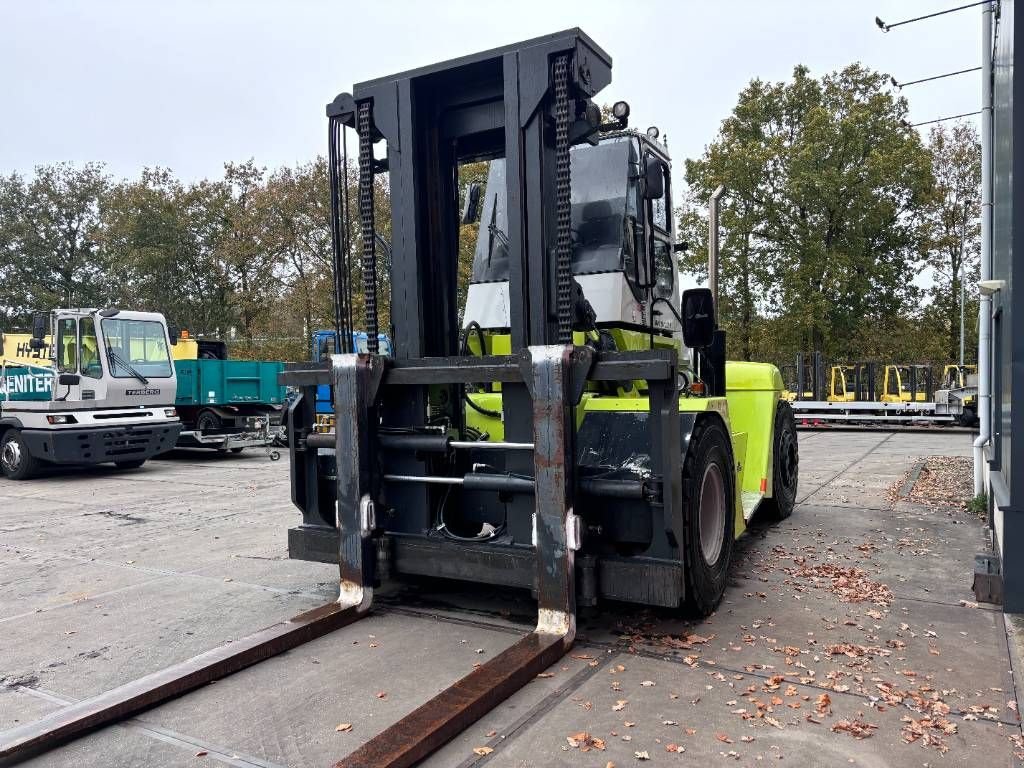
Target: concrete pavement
x=108 y=575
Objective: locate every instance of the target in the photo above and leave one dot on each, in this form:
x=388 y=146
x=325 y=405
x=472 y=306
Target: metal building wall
x=1006 y=452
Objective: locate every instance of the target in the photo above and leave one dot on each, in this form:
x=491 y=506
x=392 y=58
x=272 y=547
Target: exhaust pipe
x=713 y=241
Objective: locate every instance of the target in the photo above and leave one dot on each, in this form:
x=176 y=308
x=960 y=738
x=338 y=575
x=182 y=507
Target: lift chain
x=364 y=128
x=338 y=171
x=563 y=202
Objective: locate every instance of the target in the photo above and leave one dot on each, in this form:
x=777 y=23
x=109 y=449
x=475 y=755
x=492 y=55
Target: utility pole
x=963 y=274
x=713 y=241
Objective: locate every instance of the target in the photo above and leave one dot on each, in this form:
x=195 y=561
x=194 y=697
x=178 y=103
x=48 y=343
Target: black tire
x=207 y=421
x=133 y=464
x=708 y=488
x=968 y=417
x=16 y=462
x=785 y=465
x=237 y=450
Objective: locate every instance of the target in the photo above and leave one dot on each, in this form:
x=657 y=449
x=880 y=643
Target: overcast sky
x=190 y=84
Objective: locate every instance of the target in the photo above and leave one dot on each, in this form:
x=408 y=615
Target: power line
x=886 y=27
x=935 y=77
x=941 y=119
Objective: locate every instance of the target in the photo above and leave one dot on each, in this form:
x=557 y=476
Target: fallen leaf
x=642 y=755
x=723 y=738
x=202 y=753
x=546 y=674
x=344 y=727
x=677 y=748
x=584 y=742
x=382 y=694
x=491 y=733
x=824 y=704
x=620 y=705
x=482 y=751
x=856 y=728
x=648 y=683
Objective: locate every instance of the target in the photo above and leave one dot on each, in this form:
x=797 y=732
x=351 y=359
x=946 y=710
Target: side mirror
x=173 y=332
x=654 y=179
x=39 y=323
x=68 y=379
x=471 y=207
x=698 y=312
x=682 y=247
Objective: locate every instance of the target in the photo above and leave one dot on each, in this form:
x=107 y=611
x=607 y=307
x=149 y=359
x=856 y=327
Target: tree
x=159 y=238
x=49 y=237
x=827 y=187
x=954 y=231
x=243 y=250
x=299 y=238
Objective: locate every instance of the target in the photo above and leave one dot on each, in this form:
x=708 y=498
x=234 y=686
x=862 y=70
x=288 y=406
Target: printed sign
x=21 y=384
x=18 y=348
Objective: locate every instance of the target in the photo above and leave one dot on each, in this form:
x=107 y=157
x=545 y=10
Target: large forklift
x=576 y=433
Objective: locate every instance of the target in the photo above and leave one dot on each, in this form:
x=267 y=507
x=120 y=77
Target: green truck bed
x=228 y=382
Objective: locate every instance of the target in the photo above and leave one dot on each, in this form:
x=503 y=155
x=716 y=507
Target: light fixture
x=620 y=110
x=881 y=24
x=653 y=132
x=989 y=287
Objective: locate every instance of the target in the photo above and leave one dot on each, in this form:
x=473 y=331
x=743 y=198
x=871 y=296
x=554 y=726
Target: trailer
x=575 y=432
x=88 y=386
x=871 y=393
x=227 y=405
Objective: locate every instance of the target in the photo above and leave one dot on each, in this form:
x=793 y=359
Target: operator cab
x=622 y=238
x=115 y=359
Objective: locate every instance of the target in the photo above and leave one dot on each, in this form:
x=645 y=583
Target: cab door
x=67 y=384
x=660 y=241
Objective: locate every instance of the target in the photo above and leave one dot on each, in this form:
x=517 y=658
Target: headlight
x=61 y=419
x=170 y=413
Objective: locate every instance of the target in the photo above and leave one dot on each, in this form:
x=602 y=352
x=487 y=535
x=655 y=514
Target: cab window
x=664 y=269
x=67 y=345
x=661 y=236
x=136 y=348
x=661 y=208
x=88 y=349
